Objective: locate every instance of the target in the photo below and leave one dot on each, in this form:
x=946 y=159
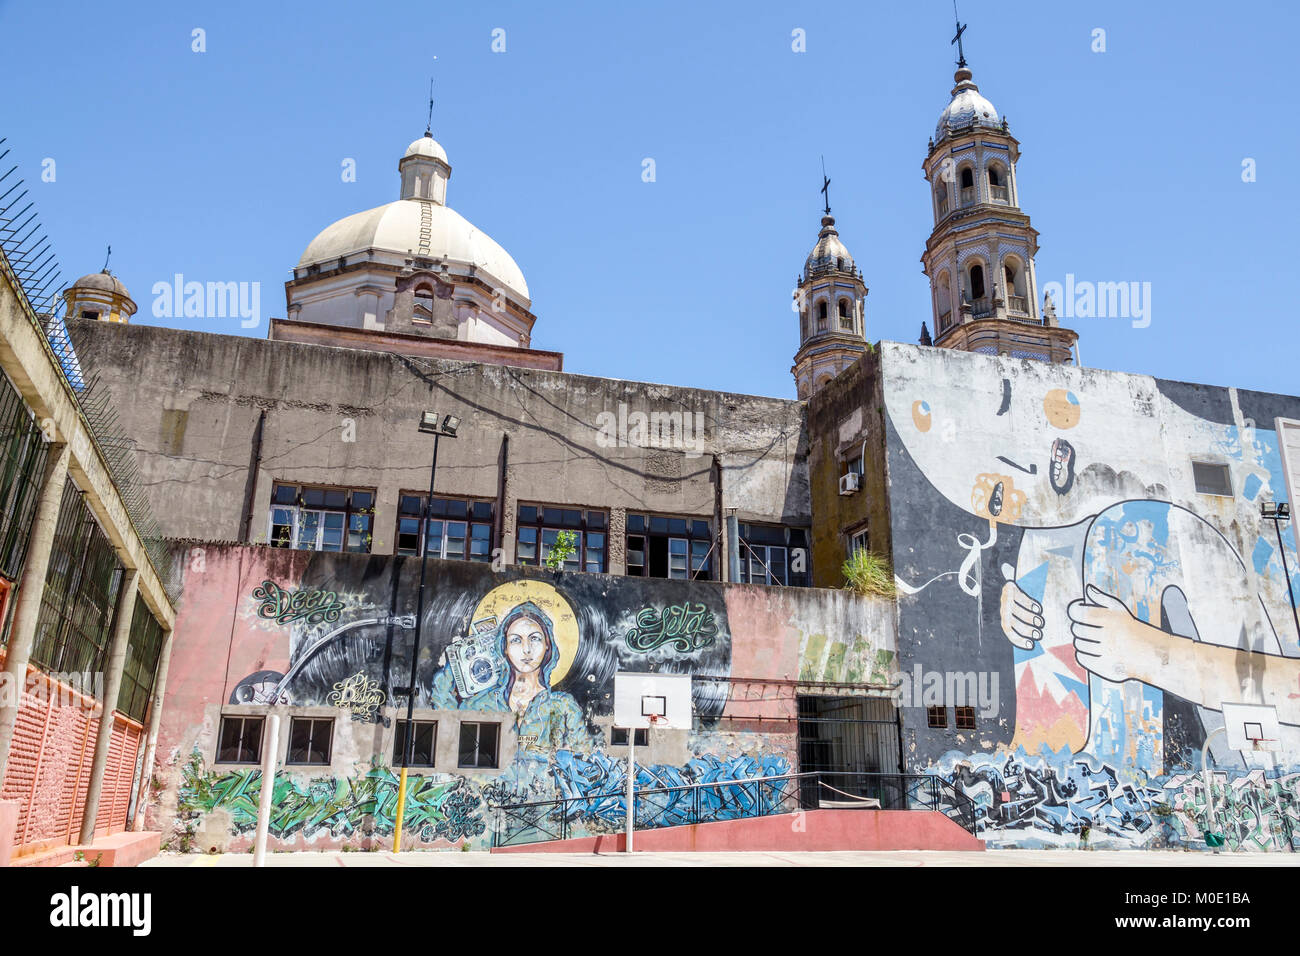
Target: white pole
x=631 y=784
x=270 y=744
x=1205 y=774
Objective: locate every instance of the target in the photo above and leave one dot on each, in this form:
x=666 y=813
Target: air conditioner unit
x=850 y=483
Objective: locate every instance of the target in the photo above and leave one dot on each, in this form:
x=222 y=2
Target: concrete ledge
x=118 y=849
x=812 y=830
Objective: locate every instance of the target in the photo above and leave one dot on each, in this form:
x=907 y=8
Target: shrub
x=869 y=573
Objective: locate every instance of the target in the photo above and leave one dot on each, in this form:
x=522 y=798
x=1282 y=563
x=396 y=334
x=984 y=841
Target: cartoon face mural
x=1133 y=607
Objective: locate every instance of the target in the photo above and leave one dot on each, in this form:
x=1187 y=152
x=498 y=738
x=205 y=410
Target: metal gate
x=842 y=737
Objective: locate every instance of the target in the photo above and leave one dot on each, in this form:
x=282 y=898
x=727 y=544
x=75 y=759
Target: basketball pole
x=631 y=785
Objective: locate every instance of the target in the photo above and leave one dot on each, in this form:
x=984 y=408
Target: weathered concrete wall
x=846 y=419
x=347 y=417
x=1055 y=557
x=256 y=624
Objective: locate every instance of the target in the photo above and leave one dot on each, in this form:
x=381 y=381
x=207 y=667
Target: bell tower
x=830 y=298
x=980 y=254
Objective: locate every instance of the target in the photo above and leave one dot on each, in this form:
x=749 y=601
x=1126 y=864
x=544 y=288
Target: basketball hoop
x=656 y=719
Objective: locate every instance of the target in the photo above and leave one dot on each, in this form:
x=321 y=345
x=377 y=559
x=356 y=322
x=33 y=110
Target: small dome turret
x=967 y=109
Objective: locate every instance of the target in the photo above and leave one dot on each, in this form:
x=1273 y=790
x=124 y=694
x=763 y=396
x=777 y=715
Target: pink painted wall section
x=813 y=831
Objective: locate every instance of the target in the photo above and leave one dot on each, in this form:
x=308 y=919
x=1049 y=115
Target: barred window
x=23 y=450
x=81 y=585
x=140 y=669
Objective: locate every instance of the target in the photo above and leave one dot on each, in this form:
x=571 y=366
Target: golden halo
x=504 y=598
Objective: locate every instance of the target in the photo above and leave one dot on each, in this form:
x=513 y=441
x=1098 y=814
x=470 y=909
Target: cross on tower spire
x=428 y=128
x=107 y=255
x=961 y=28
x=826 y=187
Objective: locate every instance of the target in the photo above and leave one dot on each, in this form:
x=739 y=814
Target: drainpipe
x=250 y=487
x=719 y=519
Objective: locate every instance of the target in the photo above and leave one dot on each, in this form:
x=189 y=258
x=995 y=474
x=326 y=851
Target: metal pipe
x=409 y=742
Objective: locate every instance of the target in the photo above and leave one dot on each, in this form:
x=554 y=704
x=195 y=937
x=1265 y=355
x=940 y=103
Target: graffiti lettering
x=285 y=607
x=687 y=627
x=358 y=694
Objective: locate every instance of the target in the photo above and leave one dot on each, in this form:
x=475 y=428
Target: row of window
x=937 y=717
x=658 y=546
x=311 y=741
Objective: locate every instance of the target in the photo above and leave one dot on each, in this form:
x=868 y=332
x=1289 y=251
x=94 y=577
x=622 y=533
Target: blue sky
x=223 y=165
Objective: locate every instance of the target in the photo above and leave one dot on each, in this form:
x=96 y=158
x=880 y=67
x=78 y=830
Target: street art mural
x=531 y=652
x=1048 y=524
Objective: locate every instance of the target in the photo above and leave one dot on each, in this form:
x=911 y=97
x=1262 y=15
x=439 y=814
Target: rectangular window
x=455 y=529
x=938 y=716
x=538 y=528
x=859 y=541
x=424 y=748
x=241 y=740
x=774 y=555
x=618 y=738
x=478 y=745
x=1212 y=479
x=309 y=740
x=669 y=547
x=965 y=718
x=142 y=651
x=321 y=519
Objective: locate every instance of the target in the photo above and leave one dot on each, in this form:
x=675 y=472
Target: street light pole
x=428 y=424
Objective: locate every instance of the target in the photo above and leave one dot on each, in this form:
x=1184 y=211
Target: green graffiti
x=436 y=806
x=285 y=607
x=687 y=627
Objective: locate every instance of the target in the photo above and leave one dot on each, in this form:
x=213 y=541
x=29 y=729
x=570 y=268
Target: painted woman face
x=525 y=645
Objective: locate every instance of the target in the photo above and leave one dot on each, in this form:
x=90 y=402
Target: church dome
x=829 y=252
x=419 y=225
x=413 y=227
x=426 y=145
x=102 y=282
x=968 y=108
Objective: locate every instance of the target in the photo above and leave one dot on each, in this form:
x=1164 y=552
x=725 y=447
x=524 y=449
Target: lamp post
x=1277 y=512
x=430 y=424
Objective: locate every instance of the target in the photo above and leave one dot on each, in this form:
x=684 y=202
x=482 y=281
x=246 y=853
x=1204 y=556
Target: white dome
x=426 y=145
x=968 y=108
x=397 y=228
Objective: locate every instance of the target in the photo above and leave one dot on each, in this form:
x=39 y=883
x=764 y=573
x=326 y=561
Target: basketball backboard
x=638 y=697
x=1251 y=726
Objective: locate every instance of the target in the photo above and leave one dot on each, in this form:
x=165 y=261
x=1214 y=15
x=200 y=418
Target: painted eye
x=921 y=415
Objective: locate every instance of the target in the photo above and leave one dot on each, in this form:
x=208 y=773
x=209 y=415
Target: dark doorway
x=843 y=738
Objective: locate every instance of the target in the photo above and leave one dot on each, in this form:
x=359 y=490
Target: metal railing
x=562 y=818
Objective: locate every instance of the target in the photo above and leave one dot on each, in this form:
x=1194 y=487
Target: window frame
x=484 y=526
x=533 y=524
x=964 y=718
x=690 y=536
x=1221 y=466
x=478 y=745
x=299 y=508
x=244 y=719
x=399 y=735
x=762 y=551
x=640 y=737
x=294 y=721
x=937 y=717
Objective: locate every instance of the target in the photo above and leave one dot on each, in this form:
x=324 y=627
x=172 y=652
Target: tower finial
x=108 y=255
x=826 y=187
x=961 y=28
x=428 y=127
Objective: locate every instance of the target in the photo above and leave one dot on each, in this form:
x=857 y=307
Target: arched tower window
x=977 y=291
x=941 y=201
x=821 y=316
x=998 y=188
x=943 y=301
x=423 y=311
x=846 y=315
x=1013 y=273
x=967 y=180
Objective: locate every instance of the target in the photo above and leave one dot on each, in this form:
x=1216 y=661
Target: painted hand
x=1022 y=616
x=1110 y=642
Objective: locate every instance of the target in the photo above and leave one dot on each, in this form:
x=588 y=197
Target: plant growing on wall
x=869 y=574
x=565 y=544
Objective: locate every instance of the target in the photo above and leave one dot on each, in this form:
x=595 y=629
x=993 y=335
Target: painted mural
x=533 y=653
x=1048 y=525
